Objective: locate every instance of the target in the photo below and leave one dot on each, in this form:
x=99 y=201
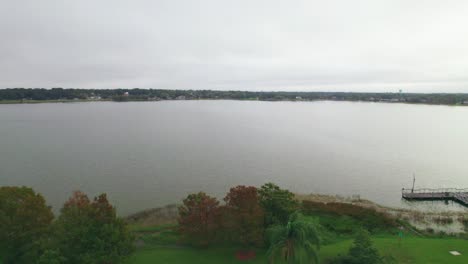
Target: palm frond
x=297 y=242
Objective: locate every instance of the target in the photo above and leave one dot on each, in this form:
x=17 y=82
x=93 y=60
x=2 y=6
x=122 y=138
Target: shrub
x=464 y=221
x=370 y=218
x=443 y=220
x=361 y=252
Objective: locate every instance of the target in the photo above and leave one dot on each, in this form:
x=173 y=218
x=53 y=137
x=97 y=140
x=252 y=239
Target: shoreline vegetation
x=60 y=95
x=391 y=235
x=449 y=222
x=253 y=224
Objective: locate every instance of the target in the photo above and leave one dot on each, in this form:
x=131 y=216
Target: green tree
x=24 y=220
x=361 y=252
x=296 y=242
x=277 y=203
x=90 y=231
x=199 y=218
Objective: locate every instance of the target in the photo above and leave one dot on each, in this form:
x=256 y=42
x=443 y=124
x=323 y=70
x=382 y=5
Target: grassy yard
x=188 y=255
x=412 y=250
x=161 y=244
x=425 y=250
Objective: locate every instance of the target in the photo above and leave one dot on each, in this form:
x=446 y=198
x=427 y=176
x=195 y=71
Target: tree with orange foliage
x=199 y=219
x=24 y=220
x=244 y=215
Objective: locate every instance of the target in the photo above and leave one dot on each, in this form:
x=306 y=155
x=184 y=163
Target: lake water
x=148 y=154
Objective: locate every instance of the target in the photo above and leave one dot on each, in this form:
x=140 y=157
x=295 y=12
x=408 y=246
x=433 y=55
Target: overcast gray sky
x=358 y=45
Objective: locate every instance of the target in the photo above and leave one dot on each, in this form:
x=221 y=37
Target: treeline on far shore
x=19 y=95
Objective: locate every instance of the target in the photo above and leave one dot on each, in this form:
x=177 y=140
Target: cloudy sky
x=359 y=45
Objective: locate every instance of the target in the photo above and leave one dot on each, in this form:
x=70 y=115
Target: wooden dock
x=448 y=194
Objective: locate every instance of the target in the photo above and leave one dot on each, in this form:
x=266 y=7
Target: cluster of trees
x=86 y=231
x=242 y=219
x=250 y=217
x=203 y=221
x=161 y=94
x=268 y=216
x=89 y=231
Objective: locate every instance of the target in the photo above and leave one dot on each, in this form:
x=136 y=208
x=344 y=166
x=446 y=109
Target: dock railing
x=434 y=190
x=454 y=194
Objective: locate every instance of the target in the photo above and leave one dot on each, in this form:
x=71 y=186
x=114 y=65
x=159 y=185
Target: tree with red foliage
x=24 y=220
x=244 y=215
x=199 y=219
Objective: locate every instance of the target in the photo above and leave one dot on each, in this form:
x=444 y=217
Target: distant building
x=180 y=97
x=465 y=102
x=126 y=94
x=298 y=98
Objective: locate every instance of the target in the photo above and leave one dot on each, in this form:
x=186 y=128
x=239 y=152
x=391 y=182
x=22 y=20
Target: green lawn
x=163 y=255
x=425 y=250
x=411 y=250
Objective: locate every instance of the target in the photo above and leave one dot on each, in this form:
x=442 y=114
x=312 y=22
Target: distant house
x=465 y=102
x=180 y=97
x=126 y=94
x=298 y=98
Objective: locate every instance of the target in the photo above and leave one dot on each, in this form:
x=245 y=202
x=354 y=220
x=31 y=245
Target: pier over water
x=446 y=194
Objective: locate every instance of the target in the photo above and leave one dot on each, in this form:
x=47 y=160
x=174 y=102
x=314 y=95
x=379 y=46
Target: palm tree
x=297 y=242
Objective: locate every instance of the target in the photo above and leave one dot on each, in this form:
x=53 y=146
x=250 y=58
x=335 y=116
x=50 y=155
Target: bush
x=443 y=220
x=361 y=252
x=370 y=218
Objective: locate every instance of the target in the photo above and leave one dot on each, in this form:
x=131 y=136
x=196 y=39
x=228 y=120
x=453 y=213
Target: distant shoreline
x=60 y=95
x=5 y=102
x=48 y=101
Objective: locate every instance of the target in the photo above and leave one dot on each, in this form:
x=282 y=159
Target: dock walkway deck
x=453 y=194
